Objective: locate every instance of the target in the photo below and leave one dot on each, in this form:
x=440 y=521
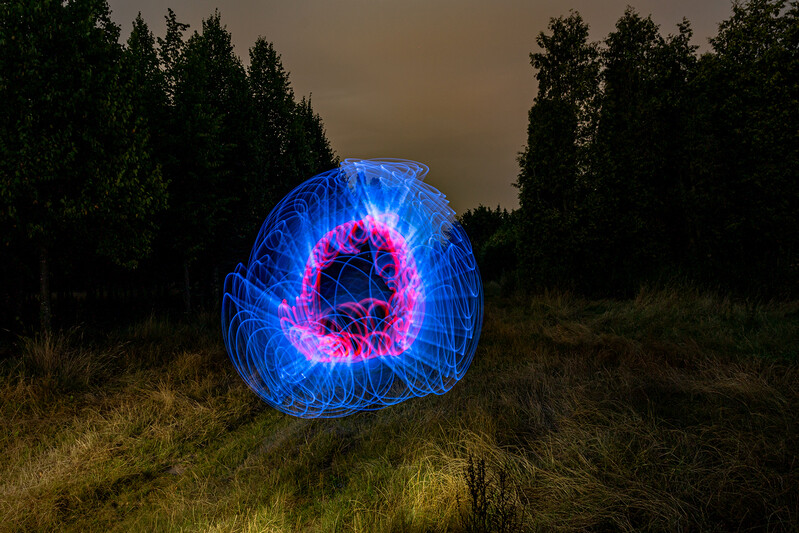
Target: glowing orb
x=361 y=291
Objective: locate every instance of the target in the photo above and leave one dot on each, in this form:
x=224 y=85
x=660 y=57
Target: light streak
x=361 y=291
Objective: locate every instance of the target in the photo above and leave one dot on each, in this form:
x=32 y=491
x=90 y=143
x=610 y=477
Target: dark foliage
x=76 y=164
x=140 y=172
x=493 y=237
x=646 y=162
x=137 y=172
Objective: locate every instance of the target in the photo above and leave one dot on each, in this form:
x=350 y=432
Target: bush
x=63 y=357
x=492 y=503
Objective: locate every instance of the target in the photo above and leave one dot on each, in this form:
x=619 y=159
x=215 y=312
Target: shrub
x=492 y=504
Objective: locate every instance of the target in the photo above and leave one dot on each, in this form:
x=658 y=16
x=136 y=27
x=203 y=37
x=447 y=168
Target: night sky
x=443 y=82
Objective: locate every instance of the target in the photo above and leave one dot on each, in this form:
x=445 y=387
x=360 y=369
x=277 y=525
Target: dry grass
x=64 y=358
x=674 y=411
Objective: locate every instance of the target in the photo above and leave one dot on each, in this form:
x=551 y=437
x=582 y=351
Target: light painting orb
x=361 y=292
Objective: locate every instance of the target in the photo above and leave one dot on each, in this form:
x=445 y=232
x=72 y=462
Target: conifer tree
x=75 y=161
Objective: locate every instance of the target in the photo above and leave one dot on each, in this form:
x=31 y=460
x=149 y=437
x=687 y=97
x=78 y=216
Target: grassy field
x=673 y=411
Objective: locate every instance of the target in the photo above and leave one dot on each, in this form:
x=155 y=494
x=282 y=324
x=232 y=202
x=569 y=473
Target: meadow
x=677 y=410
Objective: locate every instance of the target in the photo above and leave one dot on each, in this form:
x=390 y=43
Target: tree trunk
x=216 y=286
x=45 y=314
x=186 y=288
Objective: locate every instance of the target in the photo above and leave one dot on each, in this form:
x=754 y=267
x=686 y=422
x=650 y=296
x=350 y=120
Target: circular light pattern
x=361 y=291
x=356 y=324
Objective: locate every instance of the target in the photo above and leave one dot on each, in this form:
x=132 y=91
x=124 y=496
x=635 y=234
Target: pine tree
x=209 y=173
x=273 y=105
x=75 y=163
x=311 y=146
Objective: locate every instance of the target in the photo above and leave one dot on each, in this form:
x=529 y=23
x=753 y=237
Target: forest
x=139 y=172
x=638 y=364
x=647 y=163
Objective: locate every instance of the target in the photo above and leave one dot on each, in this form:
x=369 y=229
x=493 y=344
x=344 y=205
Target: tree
x=493 y=235
x=554 y=181
x=75 y=163
x=288 y=143
x=310 y=145
x=209 y=174
x=236 y=143
x=747 y=152
x=170 y=52
x=481 y=223
x=142 y=67
x=672 y=163
x=272 y=126
x=639 y=152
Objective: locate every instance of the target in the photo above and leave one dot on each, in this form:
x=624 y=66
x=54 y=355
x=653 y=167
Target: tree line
x=145 y=168
x=137 y=168
x=646 y=161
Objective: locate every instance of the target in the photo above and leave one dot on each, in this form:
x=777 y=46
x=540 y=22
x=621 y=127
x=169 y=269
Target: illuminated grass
x=675 y=410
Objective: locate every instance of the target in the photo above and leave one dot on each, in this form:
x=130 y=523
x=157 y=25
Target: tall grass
x=64 y=358
x=676 y=410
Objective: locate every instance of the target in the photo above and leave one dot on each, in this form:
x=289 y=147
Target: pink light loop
x=354 y=331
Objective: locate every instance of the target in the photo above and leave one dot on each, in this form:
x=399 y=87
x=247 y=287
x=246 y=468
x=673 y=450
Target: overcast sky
x=447 y=83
